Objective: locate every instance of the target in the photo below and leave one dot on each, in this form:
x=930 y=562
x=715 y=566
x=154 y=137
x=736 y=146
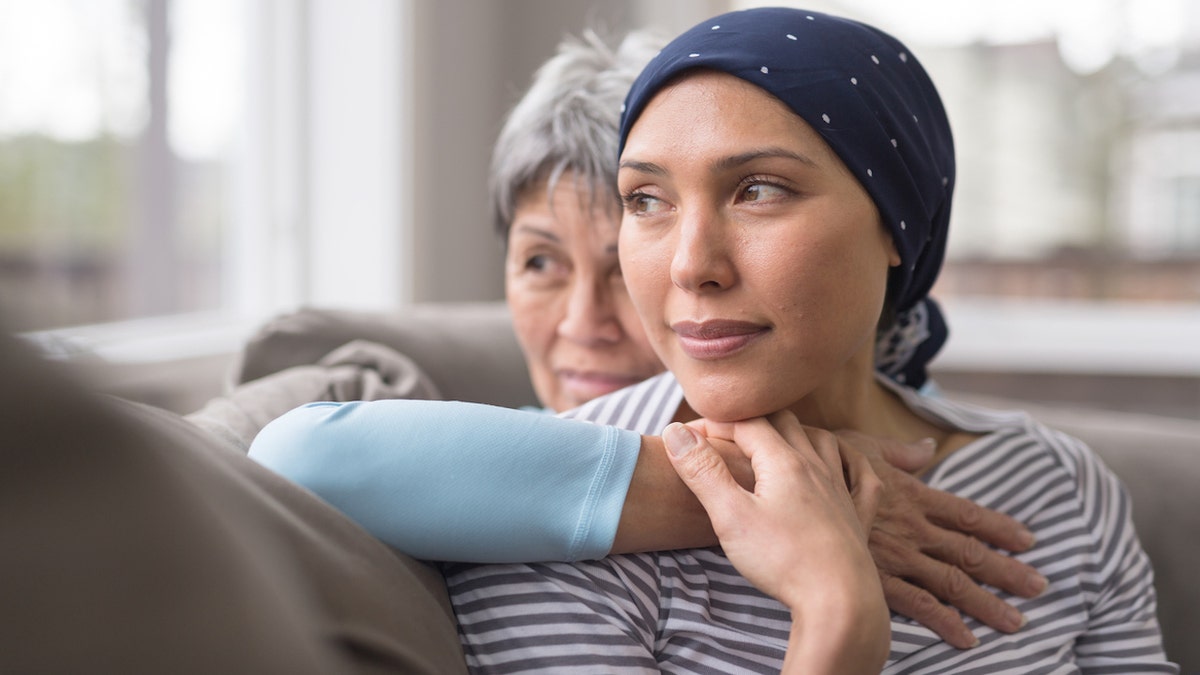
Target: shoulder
x=1009 y=432
x=1023 y=467
x=1078 y=509
x=645 y=407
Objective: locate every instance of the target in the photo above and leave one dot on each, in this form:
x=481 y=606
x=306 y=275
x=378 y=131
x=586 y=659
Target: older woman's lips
x=716 y=339
x=590 y=384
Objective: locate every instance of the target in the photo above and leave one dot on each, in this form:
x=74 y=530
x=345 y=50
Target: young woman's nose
x=700 y=262
x=590 y=317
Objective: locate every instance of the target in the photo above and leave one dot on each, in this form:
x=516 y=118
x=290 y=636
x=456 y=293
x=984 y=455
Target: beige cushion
x=467 y=349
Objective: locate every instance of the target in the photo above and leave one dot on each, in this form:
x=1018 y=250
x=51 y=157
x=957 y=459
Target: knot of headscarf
x=876 y=107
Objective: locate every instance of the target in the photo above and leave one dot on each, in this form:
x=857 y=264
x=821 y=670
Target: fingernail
x=1038 y=583
x=1015 y=618
x=679 y=439
x=927 y=443
x=1026 y=538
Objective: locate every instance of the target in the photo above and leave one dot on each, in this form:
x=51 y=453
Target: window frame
x=301 y=231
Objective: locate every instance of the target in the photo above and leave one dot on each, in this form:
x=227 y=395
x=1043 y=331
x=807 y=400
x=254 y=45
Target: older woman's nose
x=700 y=262
x=590 y=315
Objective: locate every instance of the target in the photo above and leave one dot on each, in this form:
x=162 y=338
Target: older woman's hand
x=798 y=536
x=929 y=545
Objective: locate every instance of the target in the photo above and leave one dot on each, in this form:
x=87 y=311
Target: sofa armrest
x=468 y=350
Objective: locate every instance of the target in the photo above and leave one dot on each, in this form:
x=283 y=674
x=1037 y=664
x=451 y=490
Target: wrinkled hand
x=798 y=534
x=929 y=545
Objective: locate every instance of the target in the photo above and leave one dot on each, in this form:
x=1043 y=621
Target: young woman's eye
x=763 y=192
x=642 y=204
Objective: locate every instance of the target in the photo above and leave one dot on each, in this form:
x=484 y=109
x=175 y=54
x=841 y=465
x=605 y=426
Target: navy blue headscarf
x=875 y=106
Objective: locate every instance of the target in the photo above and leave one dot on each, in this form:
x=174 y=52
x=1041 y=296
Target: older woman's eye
x=537 y=263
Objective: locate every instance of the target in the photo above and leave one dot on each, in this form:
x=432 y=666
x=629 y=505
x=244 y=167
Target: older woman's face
x=756 y=261
x=577 y=328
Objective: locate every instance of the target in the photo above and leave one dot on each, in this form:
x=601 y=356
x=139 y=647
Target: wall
x=473 y=60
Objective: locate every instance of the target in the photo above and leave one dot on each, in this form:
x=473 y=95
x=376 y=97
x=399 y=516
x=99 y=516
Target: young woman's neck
x=860 y=405
x=855 y=399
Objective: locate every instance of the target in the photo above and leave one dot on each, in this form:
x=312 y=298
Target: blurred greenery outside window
x=1077 y=131
x=1078 y=180
x=116 y=123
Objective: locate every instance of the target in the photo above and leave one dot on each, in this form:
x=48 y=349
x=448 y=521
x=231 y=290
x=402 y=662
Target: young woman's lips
x=716 y=339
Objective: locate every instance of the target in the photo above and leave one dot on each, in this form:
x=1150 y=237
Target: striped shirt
x=691 y=612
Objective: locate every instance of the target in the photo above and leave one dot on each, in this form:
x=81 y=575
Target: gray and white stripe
x=691 y=612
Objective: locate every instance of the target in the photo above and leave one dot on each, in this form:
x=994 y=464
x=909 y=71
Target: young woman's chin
x=725 y=413
x=730 y=399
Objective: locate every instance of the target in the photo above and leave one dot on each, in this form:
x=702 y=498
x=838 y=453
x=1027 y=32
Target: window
x=116 y=131
x=1073 y=270
x=189 y=163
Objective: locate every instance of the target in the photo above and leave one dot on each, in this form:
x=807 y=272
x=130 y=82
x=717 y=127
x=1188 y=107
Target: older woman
x=555 y=207
x=787 y=179
x=584 y=490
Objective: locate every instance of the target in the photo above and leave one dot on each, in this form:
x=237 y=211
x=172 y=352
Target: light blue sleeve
x=443 y=480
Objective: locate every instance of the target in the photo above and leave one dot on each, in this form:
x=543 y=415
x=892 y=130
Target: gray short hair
x=568 y=121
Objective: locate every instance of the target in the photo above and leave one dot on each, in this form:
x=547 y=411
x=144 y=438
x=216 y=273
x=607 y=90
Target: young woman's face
x=756 y=261
x=579 y=333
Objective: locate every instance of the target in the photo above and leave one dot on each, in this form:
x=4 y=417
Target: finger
x=711 y=429
x=907 y=456
x=761 y=441
x=703 y=471
x=779 y=466
x=949 y=584
x=823 y=444
x=953 y=585
x=984 y=564
x=966 y=516
x=826 y=445
x=918 y=605
x=866 y=488
x=860 y=482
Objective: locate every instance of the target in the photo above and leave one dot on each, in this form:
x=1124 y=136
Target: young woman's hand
x=799 y=535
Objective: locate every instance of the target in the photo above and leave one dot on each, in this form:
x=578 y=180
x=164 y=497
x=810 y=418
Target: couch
x=137 y=540
x=469 y=353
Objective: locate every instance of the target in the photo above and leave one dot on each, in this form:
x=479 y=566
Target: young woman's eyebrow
x=726 y=163
x=643 y=167
x=734 y=161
